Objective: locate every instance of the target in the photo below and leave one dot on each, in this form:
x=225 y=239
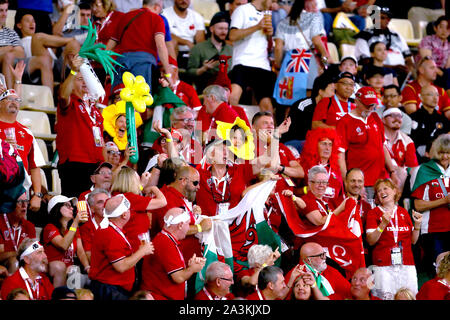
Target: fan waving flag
x=216 y=243
x=248 y=226
x=293 y=76
x=340 y=235
x=424 y=173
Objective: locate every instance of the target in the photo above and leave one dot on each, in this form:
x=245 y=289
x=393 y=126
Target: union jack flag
x=299 y=61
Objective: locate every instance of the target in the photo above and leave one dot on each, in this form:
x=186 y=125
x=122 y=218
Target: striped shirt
x=9 y=37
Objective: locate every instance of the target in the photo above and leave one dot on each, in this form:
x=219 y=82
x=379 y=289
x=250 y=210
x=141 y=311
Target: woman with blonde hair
x=128 y=182
x=391 y=232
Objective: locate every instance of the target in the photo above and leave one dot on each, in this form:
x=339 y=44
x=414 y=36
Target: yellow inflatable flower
x=136 y=91
x=240 y=136
x=115 y=126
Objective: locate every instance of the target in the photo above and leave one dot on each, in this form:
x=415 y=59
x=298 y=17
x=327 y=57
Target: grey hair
x=315 y=171
x=268 y=274
x=440 y=144
x=258 y=254
x=93 y=193
x=215 y=270
x=217 y=91
x=179 y=111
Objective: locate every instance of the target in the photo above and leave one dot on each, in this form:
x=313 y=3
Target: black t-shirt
x=301 y=114
x=427 y=127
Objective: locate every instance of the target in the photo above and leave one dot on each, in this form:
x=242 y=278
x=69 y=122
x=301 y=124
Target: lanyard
x=104 y=24
x=260 y=296
x=89 y=111
x=395 y=227
x=441 y=184
x=120 y=233
x=339 y=105
x=326 y=210
x=34 y=288
x=11 y=234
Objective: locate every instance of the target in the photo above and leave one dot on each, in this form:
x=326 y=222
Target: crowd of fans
x=364 y=139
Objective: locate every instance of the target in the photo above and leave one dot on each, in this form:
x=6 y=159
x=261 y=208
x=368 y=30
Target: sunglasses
x=194 y=183
x=117 y=153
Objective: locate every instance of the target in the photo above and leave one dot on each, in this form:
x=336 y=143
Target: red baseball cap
x=367 y=96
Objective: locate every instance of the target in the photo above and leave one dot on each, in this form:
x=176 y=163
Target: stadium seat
x=334 y=54
x=10 y=19
x=405 y=29
x=38 y=98
x=56 y=182
x=347 y=50
x=43 y=179
x=250 y=111
x=422 y=29
x=38 y=123
x=44 y=150
x=206 y=8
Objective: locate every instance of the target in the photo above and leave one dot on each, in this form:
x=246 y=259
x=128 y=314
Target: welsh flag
x=293 y=76
x=216 y=244
x=248 y=226
x=424 y=173
x=340 y=235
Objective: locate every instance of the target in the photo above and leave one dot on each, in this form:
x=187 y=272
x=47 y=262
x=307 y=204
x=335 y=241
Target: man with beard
x=328 y=281
x=181 y=193
x=14 y=229
x=79 y=133
x=22 y=139
x=31 y=275
x=187 y=28
x=400 y=146
x=362 y=138
x=203 y=64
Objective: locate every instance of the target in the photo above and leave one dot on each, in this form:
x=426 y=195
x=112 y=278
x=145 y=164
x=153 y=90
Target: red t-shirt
x=332 y=114
x=190 y=244
x=224 y=113
x=139 y=220
x=158 y=267
x=25 y=145
x=437 y=218
x=140 y=35
x=312 y=204
x=257 y=295
x=87 y=232
x=210 y=194
x=109 y=247
x=106 y=29
x=75 y=133
x=403 y=151
x=187 y=93
x=410 y=94
x=434 y=289
x=55 y=254
x=42 y=292
x=381 y=254
x=12 y=238
x=362 y=140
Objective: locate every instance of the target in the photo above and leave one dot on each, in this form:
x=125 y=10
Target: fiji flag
x=292 y=79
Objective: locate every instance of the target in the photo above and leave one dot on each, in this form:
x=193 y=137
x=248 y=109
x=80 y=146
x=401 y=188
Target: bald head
x=430 y=96
x=310 y=249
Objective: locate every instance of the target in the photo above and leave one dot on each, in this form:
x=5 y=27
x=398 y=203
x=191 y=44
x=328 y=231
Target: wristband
x=18 y=82
x=73 y=72
x=264 y=265
x=168 y=140
x=294 y=198
x=282 y=169
x=314 y=285
x=199 y=228
x=167 y=75
x=305 y=189
x=380 y=230
x=73 y=229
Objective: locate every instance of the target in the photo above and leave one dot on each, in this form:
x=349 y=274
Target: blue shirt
x=40 y=5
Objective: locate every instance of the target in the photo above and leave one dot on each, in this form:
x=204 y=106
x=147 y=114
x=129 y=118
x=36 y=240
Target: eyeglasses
x=430 y=94
x=104 y=173
x=231 y=280
x=346 y=84
x=117 y=153
x=322 y=255
x=18 y=100
x=68 y=205
x=324 y=183
x=187 y=120
x=195 y=183
x=22 y=202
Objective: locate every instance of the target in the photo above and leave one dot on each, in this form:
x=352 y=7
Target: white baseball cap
x=60 y=199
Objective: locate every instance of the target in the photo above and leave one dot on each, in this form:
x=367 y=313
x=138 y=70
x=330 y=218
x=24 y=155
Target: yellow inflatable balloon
x=128 y=79
x=139 y=105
